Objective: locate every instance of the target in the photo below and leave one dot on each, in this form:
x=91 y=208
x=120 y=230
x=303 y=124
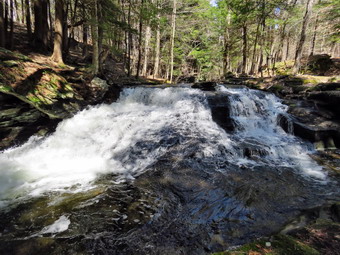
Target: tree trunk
x=288 y=47
x=85 y=34
x=226 y=49
x=244 y=49
x=11 y=25
x=41 y=24
x=299 y=49
x=172 y=43
x=146 y=49
x=100 y=37
x=65 y=29
x=17 y=16
x=28 y=19
x=58 y=32
x=252 y=68
x=314 y=36
x=22 y=12
x=129 y=40
x=51 y=36
x=140 y=39
x=6 y=19
x=158 y=45
x=73 y=20
x=94 y=35
x=2 y=26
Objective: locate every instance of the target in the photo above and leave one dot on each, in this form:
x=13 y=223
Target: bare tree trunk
x=314 y=36
x=58 y=32
x=28 y=19
x=299 y=49
x=22 y=11
x=50 y=21
x=6 y=21
x=244 y=49
x=253 y=62
x=146 y=49
x=73 y=19
x=140 y=39
x=17 y=16
x=260 y=64
x=226 y=48
x=65 y=28
x=11 y=24
x=85 y=34
x=129 y=40
x=100 y=36
x=41 y=24
x=172 y=42
x=126 y=43
x=94 y=35
x=287 y=48
x=158 y=45
x=2 y=26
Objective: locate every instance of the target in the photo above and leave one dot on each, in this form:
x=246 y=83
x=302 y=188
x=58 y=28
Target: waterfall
x=256 y=114
x=128 y=136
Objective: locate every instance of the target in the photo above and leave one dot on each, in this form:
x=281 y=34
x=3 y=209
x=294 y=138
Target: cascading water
x=155 y=162
x=256 y=116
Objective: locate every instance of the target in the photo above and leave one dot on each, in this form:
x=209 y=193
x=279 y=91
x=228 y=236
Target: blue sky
x=213 y=2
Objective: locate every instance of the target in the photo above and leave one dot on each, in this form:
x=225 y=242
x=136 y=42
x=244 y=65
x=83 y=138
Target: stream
x=153 y=173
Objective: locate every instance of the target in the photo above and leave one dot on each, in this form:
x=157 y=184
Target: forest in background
x=176 y=39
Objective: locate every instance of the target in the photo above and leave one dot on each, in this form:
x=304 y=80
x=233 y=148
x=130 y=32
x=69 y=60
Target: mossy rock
x=10 y=55
x=10 y=63
x=319 y=64
x=327 y=86
x=293 y=81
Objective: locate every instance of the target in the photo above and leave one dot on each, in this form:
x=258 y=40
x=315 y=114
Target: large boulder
x=319 y=64
x=327 y=99
x=98 y=88
x=312 y=123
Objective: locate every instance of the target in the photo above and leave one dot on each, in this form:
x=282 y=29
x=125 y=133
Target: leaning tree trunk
x=299 y=49
x=58 y=32
x=2 y=26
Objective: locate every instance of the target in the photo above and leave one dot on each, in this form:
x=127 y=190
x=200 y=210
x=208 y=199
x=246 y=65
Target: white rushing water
x=256 y=116
x=127 y=136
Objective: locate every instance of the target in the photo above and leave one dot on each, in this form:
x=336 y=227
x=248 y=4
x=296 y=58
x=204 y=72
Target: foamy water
x=126 y=137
